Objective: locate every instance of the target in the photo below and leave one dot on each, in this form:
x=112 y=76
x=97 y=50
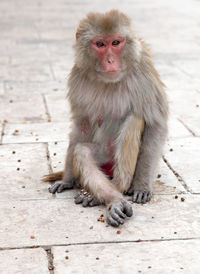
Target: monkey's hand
x=141 y=194
x=86 y=199
x=118 y=211
x=60 y=186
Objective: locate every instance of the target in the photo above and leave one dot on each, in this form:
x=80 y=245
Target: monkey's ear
x=77 y=34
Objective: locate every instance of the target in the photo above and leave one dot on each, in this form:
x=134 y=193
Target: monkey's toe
x=94 y=202
x=60 y=186
x=86 y=199
x=141 y=197
x=117 y=213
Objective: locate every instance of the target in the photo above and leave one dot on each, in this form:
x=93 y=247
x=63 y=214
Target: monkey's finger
x=94 y=202
x=130 y=191
x=86 y=201
x=54 y=188
x=112 y=222
x=116 y=217
x=140 y=195
x=78 y=199
x=146 y=197
x=120 y=213
x=63 y=186
x=128 y=209
x=135 y=195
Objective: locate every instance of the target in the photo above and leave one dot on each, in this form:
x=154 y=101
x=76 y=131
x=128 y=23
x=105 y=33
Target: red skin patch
x=108 y=48
x=108 y=168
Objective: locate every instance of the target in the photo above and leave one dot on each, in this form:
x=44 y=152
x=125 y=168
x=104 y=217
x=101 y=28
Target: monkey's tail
x=52 y=177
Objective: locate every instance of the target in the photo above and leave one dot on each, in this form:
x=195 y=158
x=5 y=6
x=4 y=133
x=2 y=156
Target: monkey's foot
x=140 y=196
x=86 y=199
x=118 y=211
x=60 y=186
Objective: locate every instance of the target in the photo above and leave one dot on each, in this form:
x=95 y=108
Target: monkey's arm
x=150 y=152
x=127 y=149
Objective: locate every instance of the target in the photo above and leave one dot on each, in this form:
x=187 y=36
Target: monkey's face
x=108 y=50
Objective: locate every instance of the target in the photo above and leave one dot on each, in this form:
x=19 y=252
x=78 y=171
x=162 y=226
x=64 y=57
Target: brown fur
x=53 y=177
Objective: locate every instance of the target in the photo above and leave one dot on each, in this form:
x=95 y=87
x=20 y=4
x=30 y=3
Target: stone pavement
x=44 y=233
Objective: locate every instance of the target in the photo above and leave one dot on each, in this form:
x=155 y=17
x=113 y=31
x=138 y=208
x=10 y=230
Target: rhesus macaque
x=119 y=111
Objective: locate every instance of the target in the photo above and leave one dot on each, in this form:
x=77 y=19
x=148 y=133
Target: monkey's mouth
x=112 y=73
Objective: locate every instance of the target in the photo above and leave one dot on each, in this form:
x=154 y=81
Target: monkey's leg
x=92 y=179
x=68 y=180
x=127 y=150
x=150 y=152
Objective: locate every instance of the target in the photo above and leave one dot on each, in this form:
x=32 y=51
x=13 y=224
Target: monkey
x=119 y=112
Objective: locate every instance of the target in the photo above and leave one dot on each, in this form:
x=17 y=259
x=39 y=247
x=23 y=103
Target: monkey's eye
x=100 y=44
x=115 y=42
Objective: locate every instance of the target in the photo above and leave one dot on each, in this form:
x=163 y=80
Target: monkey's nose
x=110 y=59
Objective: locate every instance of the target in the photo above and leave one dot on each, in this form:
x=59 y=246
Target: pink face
x=108 y=48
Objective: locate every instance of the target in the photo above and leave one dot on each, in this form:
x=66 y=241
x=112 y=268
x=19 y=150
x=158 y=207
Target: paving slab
x=30 y=87
x=58 y=106
x=177 y=129
x=62 y=70
x=0 y=130
x=2 y=90
x=21 y=109
x=173 y=77
x=29 y=72
x=146 y=257
x=166 y=182
x=21 y=261
x=36 y=56
x=190 y=67
x=21 y=168
x=57 y=153
x=183 y=156
x=186 y=104
x=37 y=132
x=61 y=222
